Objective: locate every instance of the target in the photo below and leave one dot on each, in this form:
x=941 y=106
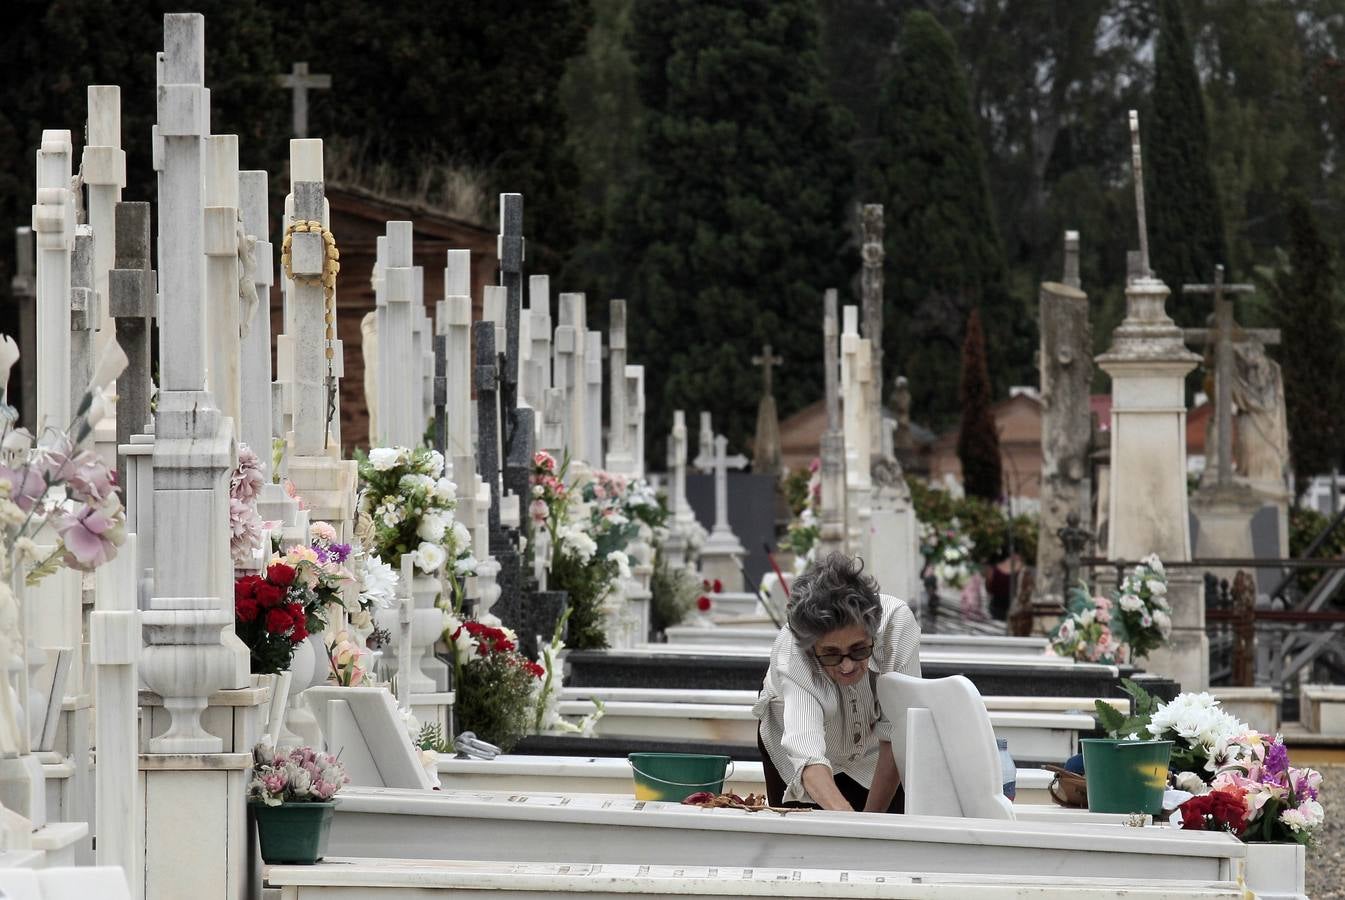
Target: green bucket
x=672 y=777
x=1125 y=776
x=293 y=833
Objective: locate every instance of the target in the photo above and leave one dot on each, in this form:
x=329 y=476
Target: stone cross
x=570 y=342
x=306 y=322
x=619 y=456
x=1137 y=165
x=396 y=307
x=706 y=439
x=510 y=249
x=54 y=225
x=131 y=303
x=1225 y=333
x=593 y=399
x=720 y=462
x=832 y=461
x=635 y=416
x=440 y=389
x=23 y=287
x=84 y=305
x=553 y=422
x=871 y=288
x=681 y=510
x=856 y=373
x=766 y=446
x=255 y=376
x=300 y=81
x=103 y=167
x=1071 y=276
x=192 y=650
x=487 y=416
x=537 y=376
x=455 y=316
x=221 y=250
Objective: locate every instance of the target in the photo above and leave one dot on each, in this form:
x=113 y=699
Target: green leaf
x=1109 y=718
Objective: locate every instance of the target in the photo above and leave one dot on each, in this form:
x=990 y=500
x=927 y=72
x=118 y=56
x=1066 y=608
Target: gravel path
x=1326 y=861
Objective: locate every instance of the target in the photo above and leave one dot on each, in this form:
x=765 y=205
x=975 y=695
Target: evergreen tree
x=736 y=222
x=1307 y=308
x=978 y=436
x=1186 y=224
x=944 y=255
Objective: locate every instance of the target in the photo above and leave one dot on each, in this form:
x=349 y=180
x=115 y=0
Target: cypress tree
x=1186 y=224
x=1308 y=310
x=944 y=254
x=978 y=437
x=736 y=220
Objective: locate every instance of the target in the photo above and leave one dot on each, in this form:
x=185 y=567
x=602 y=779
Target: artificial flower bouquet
x=1239 y=780
x=947 y=553
x=345 y=658
x=406 y=507
x=495 y=684
x=245 y=525
x=1120 y=629
x=303 y=775
x=271 y=615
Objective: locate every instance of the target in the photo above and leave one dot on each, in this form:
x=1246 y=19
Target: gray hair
x=833 y=593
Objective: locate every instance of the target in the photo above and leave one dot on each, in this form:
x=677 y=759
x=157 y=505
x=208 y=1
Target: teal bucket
x=1126 y=776
x=672 y=777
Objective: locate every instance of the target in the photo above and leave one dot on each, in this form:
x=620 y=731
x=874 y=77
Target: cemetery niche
x=363 y=521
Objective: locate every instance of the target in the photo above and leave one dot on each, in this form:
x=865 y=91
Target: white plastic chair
x=944 y=746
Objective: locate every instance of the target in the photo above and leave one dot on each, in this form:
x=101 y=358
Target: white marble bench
x=549 y=828
x=1045 y=737
x=394 y=879
x=1321 y=708
x=612 y=776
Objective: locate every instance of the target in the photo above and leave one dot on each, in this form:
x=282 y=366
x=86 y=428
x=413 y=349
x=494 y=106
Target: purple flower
x=340 y=552
x=1277 y=758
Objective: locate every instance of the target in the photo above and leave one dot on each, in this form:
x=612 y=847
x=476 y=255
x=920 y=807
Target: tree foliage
x=1186 y=225
x=978 y=435
x=1307 y=307
x=944 y=255
x=736 y=222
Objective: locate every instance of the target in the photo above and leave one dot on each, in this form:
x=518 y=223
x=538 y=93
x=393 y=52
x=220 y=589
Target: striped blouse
x=807 y=718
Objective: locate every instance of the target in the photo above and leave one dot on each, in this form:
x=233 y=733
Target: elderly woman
x=824 y=740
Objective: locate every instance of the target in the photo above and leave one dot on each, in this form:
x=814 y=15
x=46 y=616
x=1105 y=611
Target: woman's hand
x=821 y=787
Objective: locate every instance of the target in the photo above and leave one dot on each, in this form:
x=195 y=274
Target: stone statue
x=1262 y=430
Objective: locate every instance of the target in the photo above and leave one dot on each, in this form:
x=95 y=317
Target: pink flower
x=246 y=481
x=26 y=485
x=815 y=464
x=538 y=510
x=90 y=478
x=91 y=537
x=322 y=531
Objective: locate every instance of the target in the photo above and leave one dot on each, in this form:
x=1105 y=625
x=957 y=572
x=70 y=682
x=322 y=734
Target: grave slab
x=556 y=827
x=348 y=878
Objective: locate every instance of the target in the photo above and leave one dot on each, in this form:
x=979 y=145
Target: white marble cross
x=721 y=462
x=537 y=374
x=305 y=324
x=54 y=225
x=856 y=373
x=221 y=250
x=455 y=317
x=570 y=351
x=681 y=510
x=619 y=458
x=300 y=81
x=396 y=305
x=635 y=417
x=255 y=375
x=593 y=399
x=103 y=167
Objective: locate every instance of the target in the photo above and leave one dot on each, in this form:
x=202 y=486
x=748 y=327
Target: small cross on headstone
x=300 y=81
x=768 y=362
x=1222 y=337
x=721 y=462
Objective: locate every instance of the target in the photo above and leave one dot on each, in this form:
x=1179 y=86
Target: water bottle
x=1008 y=769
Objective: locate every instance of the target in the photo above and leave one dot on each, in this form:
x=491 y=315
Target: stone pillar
x=538 y=375
x=832 y=538
x=635 y=418
x=457 y=310
x=574 y=326
x=1148 y=364
x=395 y=308
x=593 y=399
x=131 y=304
x=103 y=167
x=620 y=459
x=1066 y=427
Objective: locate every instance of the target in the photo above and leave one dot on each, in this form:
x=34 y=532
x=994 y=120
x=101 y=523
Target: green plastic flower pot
x=672 y=777
x=293 y=833
x=1125 y=776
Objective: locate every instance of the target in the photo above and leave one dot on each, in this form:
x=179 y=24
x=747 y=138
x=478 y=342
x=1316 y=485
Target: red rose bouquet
x=270 y=616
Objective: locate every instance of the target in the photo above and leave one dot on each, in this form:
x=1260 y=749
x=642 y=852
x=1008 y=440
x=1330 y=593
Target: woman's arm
x=886 y=779
x=821 y=787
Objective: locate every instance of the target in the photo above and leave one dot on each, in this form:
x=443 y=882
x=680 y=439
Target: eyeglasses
x=834 y=659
